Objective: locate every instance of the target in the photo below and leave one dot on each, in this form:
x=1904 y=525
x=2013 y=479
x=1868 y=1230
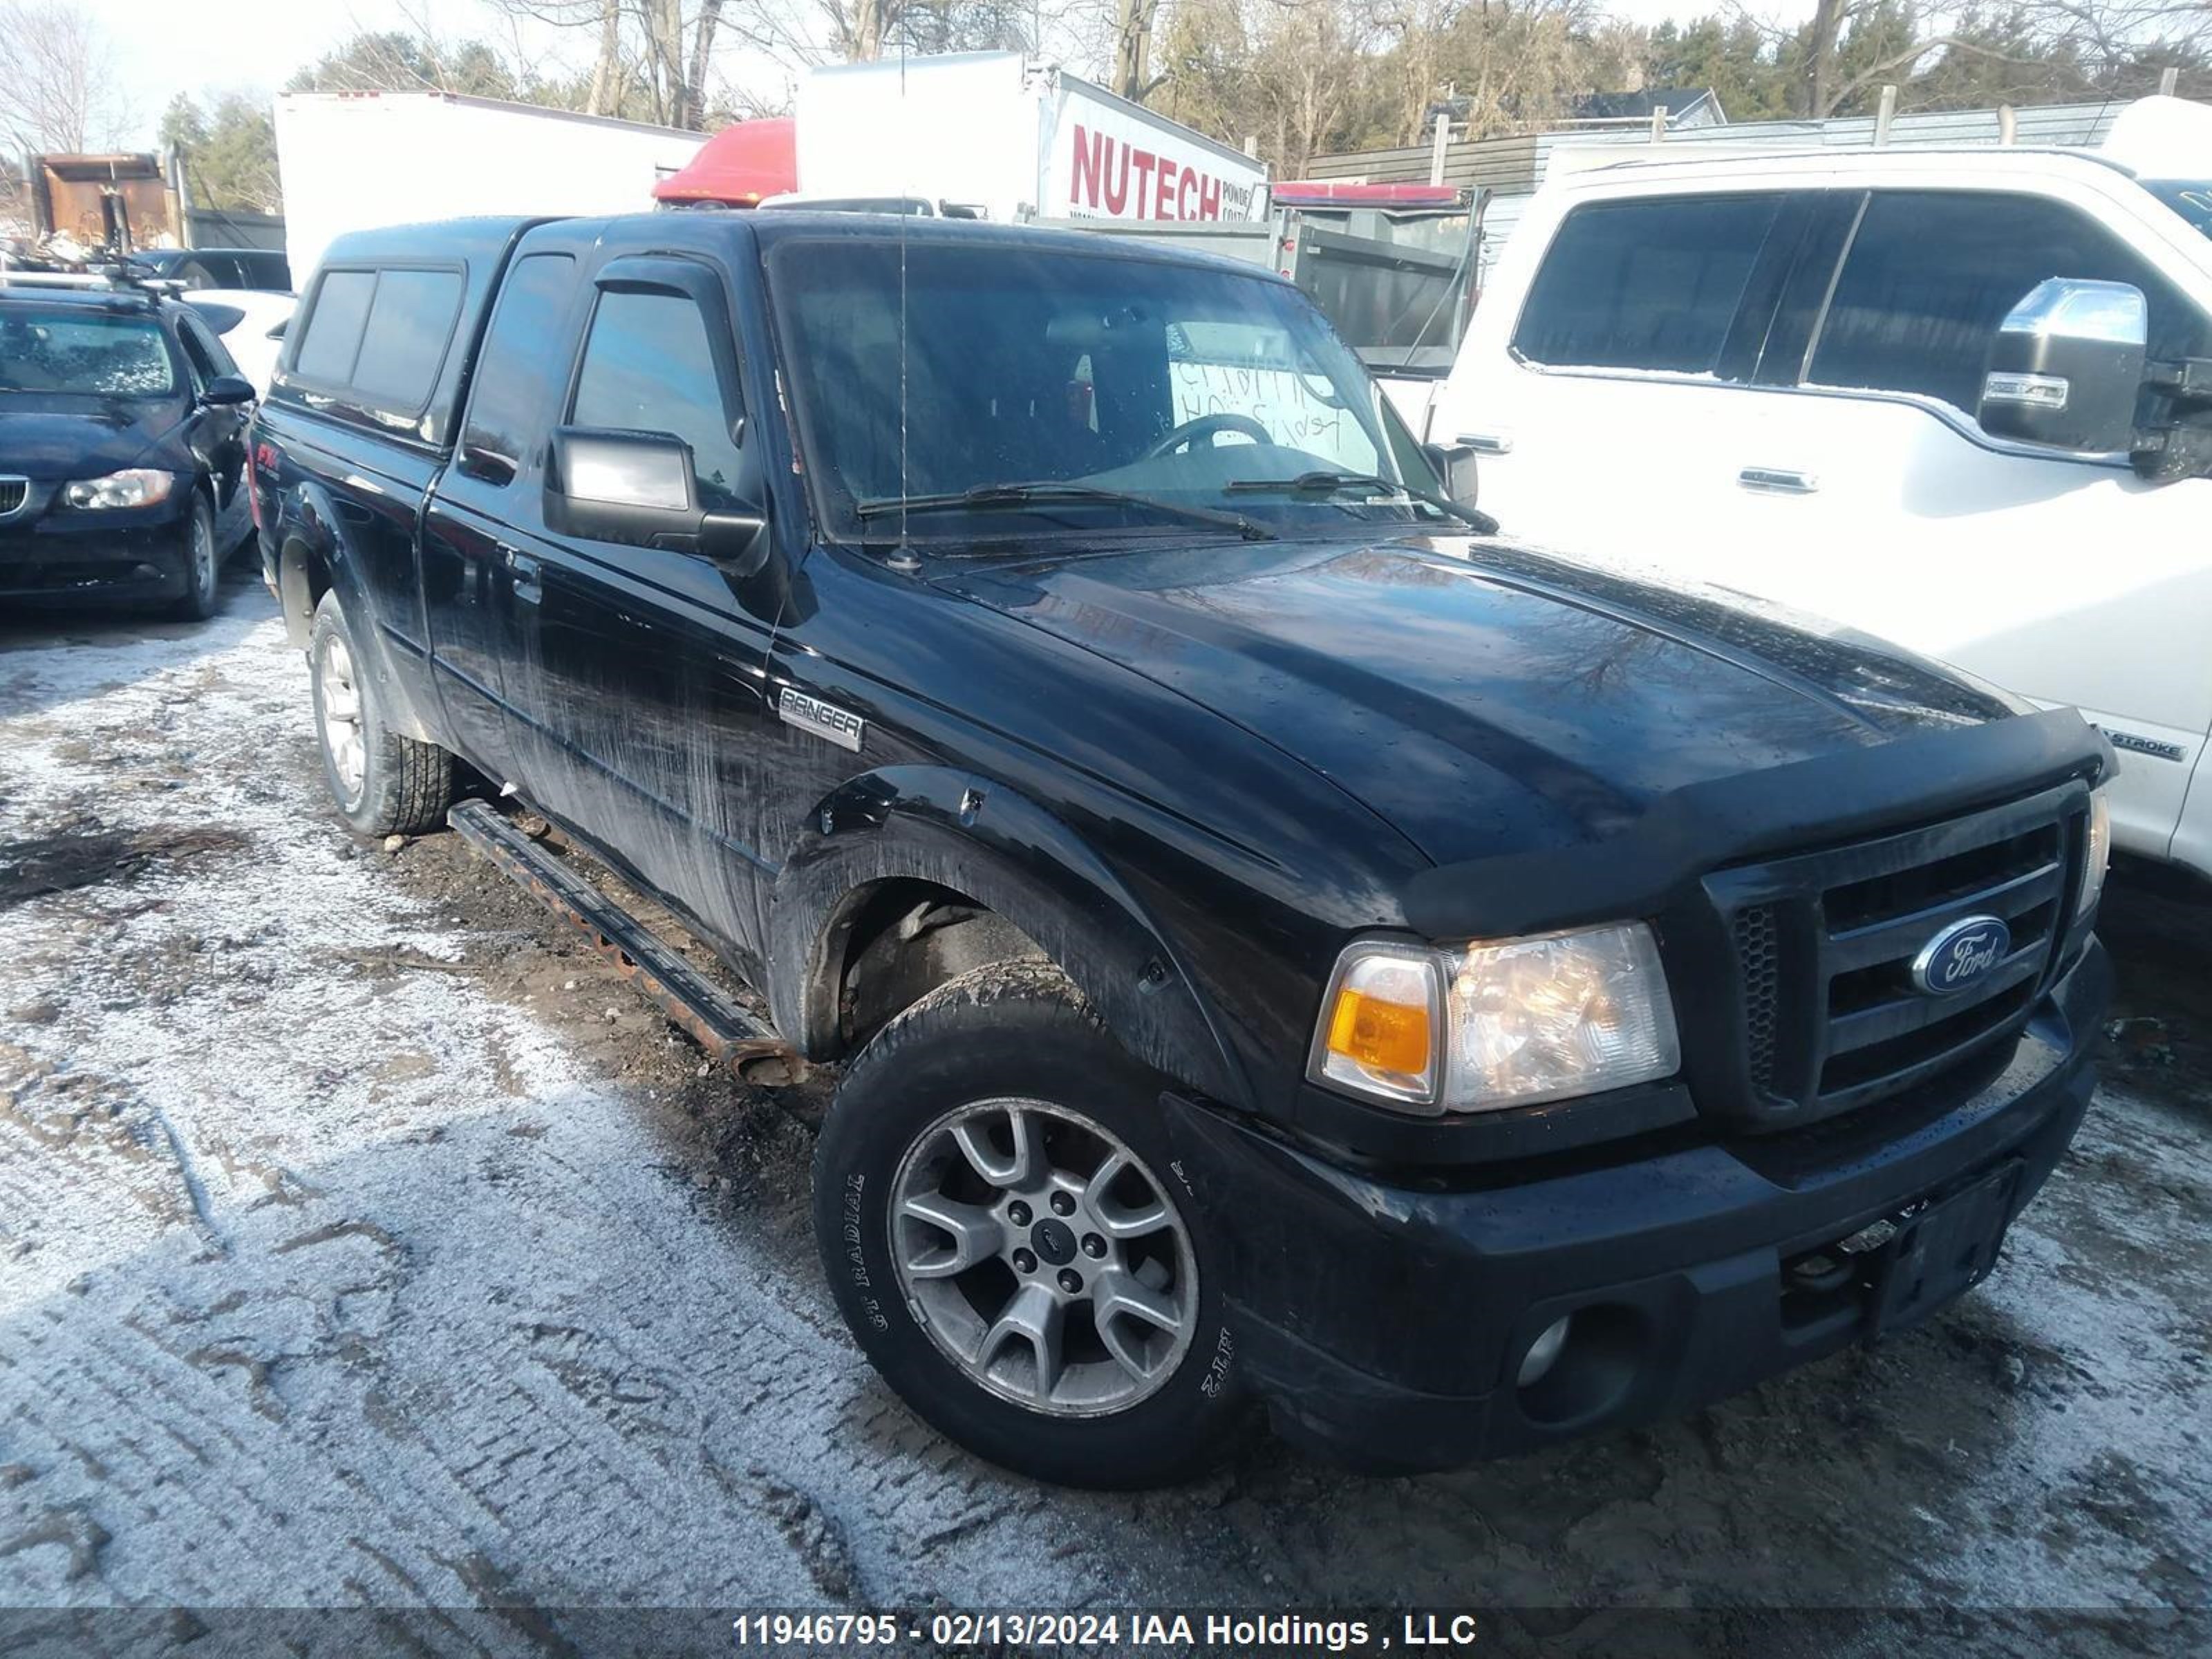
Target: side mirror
x=2067 y=366
x=1454 y=466
x=640 y=487
x=228 y=391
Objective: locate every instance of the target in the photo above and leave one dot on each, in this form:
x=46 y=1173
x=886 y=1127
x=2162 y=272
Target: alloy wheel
x=339 y=706
x=202 y=573
x=1043 y=1257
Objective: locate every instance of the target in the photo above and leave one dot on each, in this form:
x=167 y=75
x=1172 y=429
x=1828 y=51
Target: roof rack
x=118 y=278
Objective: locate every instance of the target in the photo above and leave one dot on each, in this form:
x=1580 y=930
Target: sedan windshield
x=83 y=352
x=946 y=383
x=2190 y=198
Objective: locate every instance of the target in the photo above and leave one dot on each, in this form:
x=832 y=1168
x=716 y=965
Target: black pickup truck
x=1283 y=944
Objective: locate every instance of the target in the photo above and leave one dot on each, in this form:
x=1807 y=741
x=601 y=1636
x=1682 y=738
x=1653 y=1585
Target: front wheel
x=202 y=568
x=997 y=1208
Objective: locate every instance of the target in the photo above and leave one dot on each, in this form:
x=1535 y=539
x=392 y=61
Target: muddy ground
x=365 y=1242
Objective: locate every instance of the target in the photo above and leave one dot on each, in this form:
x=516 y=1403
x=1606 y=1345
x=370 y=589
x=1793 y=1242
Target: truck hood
x=1482 y=698
x=55 y=439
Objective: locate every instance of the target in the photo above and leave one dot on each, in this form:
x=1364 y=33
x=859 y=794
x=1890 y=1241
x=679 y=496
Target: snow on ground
x=364 y=1243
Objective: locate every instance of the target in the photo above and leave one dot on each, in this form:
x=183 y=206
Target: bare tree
x=607 y=64
x=2025 y=48
x=862 y=30
x=1133 y=48
x=651 y=58
x=57 y=91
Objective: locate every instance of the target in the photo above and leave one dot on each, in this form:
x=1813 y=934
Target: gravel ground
x=364 y=1242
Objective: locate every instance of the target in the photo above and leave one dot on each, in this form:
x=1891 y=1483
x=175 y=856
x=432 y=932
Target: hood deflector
x=1828 y=798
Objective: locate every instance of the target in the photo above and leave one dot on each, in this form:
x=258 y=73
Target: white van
x=1961 y=399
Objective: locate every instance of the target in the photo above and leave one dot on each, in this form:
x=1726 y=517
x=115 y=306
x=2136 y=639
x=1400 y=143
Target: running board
x=722 y=1025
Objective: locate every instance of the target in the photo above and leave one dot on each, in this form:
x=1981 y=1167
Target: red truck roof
x=1330 y=192
x=743 y=162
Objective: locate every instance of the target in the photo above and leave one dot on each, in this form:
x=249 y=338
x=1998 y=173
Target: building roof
x=1677 y=101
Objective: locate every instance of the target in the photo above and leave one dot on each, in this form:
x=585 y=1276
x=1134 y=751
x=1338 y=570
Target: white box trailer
x=351 y=160
x=1015 y=140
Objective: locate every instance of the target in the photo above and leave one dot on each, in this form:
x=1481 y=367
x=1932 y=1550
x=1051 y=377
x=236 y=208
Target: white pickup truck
x=1961 y=399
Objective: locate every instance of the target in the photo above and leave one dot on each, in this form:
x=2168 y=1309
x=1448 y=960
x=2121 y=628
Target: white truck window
x=1650 y=284
x=2190 y=198
x=1930 y=274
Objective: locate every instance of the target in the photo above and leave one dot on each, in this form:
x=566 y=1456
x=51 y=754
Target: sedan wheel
x=202 y=569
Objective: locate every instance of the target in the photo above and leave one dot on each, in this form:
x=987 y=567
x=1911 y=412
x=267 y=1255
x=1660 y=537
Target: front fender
x=963 y=831
x=314 y=555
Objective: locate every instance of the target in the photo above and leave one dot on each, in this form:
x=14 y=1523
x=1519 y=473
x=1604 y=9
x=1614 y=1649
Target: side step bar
x=722 y=1025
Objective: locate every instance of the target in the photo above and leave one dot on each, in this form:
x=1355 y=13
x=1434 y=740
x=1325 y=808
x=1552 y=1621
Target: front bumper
x=1385 y=1321
x=52 y=553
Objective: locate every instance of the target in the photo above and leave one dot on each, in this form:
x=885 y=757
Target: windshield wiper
x=986 y=497
x=1332 y=483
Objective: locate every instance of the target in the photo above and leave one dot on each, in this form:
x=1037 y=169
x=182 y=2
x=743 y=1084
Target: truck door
x=478 y=527
x=2066 y=579
x=635 y=687
x=1603 y=409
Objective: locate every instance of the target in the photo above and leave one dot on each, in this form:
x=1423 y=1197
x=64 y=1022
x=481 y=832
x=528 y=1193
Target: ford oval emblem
x=1963 y=953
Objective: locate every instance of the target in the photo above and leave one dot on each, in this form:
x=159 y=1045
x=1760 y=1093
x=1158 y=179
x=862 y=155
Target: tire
x=384 y=782
x=202 y=565
x=1131 y=1402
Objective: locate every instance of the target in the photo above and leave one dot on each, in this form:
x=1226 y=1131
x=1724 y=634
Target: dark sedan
x=122 y=448
x=261 y=268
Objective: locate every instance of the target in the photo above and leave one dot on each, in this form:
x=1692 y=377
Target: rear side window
x=381 y=335
x=332 y=339
x=649 y=367
x=409 y=321
x=1930 y=274
x=1650 y=284
x=519 y=372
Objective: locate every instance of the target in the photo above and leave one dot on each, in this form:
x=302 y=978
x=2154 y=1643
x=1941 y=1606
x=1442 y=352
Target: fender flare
x=309 y=531
x=960 y=830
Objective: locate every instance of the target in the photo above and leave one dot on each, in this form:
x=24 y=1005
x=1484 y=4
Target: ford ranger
x=1283 y=947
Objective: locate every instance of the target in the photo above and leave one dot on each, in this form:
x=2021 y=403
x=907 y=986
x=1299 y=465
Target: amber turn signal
x=1383 y=1037
x=1382 y=1020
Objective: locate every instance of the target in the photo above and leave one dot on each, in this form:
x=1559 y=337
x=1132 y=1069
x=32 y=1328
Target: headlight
x=136 y=486
x=2097 y=855
x=1497 y=1023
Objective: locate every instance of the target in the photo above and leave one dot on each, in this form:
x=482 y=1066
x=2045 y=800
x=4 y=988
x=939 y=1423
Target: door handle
x=1778 y=480
x=528 y=573
x=1487 y=443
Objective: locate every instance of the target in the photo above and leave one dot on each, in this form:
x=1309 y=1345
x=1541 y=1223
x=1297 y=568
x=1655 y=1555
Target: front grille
x=13 y=492
x=1830 y=1018
x=1758 y=960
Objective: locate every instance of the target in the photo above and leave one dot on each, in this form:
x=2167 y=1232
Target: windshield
x=83 y=352
x=1182 y=385
x=2190 y=198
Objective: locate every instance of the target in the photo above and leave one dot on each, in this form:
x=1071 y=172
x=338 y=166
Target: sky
x=218 y=46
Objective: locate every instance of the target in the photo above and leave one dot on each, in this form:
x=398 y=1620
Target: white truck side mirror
x=2067 y=366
